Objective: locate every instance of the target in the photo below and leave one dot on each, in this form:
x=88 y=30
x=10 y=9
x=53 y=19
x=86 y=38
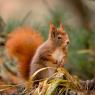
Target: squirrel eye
x=59 y=37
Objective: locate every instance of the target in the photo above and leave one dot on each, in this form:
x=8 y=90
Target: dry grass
x=60 y=83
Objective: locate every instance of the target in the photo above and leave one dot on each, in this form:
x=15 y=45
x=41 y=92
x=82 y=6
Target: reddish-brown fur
x=22 y=44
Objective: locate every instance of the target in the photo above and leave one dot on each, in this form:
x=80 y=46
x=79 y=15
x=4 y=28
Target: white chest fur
x=58 y=55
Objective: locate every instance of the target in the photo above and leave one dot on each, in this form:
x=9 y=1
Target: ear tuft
x=52 y=27
x=52 y=30
x=61 y=26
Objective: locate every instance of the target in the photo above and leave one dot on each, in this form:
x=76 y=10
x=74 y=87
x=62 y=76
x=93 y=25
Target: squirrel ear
x=52 y=27
x=52 y=30
x=61 y=26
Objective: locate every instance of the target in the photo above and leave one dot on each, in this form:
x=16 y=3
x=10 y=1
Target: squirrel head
x=58 y=35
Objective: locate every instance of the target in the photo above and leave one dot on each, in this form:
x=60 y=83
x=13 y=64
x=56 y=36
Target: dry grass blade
x=51 y=89
x=10 y=87
x=38 y=71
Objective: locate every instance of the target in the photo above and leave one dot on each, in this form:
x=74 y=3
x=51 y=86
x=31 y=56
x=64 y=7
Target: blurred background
x=78 y=17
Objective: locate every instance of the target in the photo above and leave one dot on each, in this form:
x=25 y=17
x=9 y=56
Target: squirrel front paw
x=60 y=63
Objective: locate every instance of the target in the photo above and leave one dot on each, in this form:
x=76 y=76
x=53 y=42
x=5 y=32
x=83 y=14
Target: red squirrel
x=32 y=53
